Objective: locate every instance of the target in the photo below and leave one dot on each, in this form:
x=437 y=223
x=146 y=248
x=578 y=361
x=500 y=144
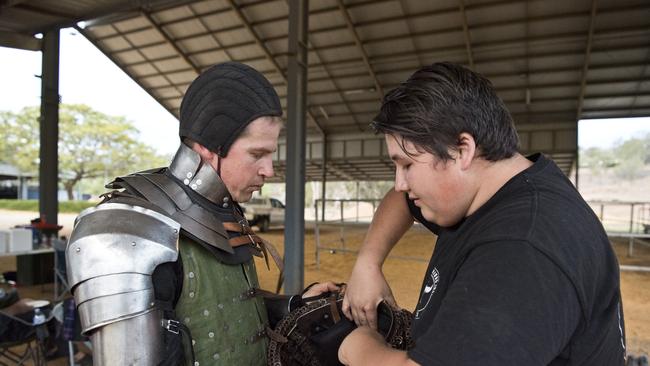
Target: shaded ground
x=405 y=276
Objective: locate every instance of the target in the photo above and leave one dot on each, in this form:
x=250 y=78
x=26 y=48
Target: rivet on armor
x=78 y=249
x=206 y=312
x=175 y=231
x=190 y=275
x=196 y=363
x=211 y=335
x=152 y=303
x=226 y=199
x=234 y=299
x=215 y=356
x=189 y=174
x=186 y=181
x=193 y=186
x=192 y=294
x=132 y=243
x=193 y=342
x=225 y=205
x=198 y=181
x=220 y=306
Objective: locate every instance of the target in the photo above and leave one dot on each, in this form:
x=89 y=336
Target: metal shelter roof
x=552 y=61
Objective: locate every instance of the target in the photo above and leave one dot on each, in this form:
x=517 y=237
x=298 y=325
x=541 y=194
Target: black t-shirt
x=530 y=278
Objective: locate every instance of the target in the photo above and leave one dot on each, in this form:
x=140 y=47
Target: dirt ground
x=405 y=274
x=406 y=266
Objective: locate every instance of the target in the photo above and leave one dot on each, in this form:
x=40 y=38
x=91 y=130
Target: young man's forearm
x=365 y=346
x=391 y=220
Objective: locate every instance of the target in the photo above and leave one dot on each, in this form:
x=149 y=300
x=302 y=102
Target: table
x=26 y=273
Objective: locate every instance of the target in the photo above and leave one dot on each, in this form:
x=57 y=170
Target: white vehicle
x=264 y=212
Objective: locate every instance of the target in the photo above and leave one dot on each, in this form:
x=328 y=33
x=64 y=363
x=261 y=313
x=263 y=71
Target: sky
x=88 y=77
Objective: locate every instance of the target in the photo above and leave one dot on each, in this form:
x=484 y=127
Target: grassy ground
x=32 y=205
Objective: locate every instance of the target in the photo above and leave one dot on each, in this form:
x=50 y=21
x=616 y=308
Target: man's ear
x=204 y=152
x=466 y=150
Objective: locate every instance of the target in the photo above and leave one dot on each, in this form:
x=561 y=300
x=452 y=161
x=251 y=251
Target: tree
x=632 y=154
x=91 y=144
x=597 y=159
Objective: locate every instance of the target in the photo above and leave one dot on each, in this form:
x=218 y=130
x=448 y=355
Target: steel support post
x=294 y=231
x=49 y=128
x=324 y=177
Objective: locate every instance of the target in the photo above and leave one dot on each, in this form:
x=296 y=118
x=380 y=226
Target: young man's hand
x=367 y=287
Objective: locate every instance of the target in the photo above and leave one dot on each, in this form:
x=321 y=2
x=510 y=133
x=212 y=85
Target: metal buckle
x=250 y=237
x=171 y=325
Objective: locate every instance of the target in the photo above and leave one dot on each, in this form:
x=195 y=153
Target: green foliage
x=632 y=154
x=626 y=159
x=32 y=205
x=91 y=144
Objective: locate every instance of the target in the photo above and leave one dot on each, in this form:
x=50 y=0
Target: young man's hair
x=441 y=101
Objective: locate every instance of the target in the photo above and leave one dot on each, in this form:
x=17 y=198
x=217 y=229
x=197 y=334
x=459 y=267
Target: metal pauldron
x=113 y=251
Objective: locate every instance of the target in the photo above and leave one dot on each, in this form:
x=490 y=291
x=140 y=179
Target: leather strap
x=248 y=236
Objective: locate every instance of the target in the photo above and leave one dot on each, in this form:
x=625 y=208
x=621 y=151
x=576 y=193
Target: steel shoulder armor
x=112 y=253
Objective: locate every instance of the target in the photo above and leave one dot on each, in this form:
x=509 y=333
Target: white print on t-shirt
x=429 y=288
x=620 y=329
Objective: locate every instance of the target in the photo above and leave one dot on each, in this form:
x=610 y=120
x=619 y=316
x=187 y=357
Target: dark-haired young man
x=522 y=272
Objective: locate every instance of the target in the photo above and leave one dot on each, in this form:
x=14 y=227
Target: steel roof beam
x=519 y=101
x=97 y=13
x=357 y=40
x=585 y=67
x=213 y=36
x=267 y=53
x=444 y=11
x=20 y=41
x=170 y=42
x=512 y=73
x=133 y=47
x=574 y=36
x=123 y=68
x=146 y=61
x=170 y=83
x=468 y=42
x=130 y=31
x=452 y=11
x=222 y=48
x=209 y=32
x=498 y=89
x=397 y=57
x=404 y=8
x=194 y=16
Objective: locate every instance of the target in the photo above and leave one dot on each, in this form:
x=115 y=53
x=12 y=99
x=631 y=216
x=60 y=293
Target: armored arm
x=112 y=254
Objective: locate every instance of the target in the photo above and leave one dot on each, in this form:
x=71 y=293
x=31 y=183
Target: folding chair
x=31 y=347
x=61 y=288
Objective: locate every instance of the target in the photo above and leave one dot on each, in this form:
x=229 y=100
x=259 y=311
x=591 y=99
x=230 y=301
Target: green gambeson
x=223 y=323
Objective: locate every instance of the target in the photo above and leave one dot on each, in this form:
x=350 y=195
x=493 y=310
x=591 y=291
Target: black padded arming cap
x=222 y=101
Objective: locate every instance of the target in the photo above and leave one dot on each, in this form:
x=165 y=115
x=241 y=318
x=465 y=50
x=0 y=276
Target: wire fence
x=622 y=220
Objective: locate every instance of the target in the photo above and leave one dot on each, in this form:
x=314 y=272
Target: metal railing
x=621 y=220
